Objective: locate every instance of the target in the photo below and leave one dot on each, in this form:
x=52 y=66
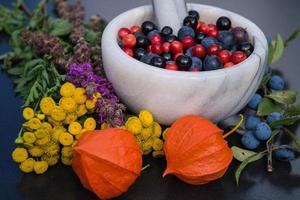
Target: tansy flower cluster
x=147 y=132
x=50 y=133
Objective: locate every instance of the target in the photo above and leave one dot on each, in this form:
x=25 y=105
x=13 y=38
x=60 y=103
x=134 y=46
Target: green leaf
x=292 y=36
x=277 y=50
x=265 y=80
x=30 y=64
x=248 y=160
x=16 y=71
x=90 y=36
x=292 y=110
x=288 y=121
x=59 y=27
x=273 y=135
x=267 y=106
x=293 y=137
x=241 y=154
x=284 y=96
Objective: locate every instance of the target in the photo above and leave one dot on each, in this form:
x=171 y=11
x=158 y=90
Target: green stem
x=293 y=137
x=19 y=139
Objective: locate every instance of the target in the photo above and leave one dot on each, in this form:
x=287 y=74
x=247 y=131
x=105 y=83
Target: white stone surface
x=172 y=94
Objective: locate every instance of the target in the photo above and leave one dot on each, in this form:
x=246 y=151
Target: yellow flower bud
x=89 y=123
x=40 y=167
x=28 y=113
x=134 y=125
x=67 y=89
x=34 y=123
x=68 y=104
x=66 y=139
x=156 y=130
x=146 y=118
x=36 y=151
x=66 y=160
x=29 y=137
x=75 y=128
x=158 y=144
x=46 y=105
x=79 y=95
x=19 y=154
x=27 y=165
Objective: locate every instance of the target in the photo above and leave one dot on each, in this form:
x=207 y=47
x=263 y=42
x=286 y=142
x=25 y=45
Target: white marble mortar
x=171 y=94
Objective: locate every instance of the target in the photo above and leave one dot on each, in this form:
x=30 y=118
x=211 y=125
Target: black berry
x=184 y=62
x=142 y=42
x=246 y=47
x=194 y=13
x=167 y=30
x=139 y=53
x=190 y=21
x=223 y=23
x=199 y=37
x=148 y=26
x=158 y=61
x=167 y=56
x=171 y=38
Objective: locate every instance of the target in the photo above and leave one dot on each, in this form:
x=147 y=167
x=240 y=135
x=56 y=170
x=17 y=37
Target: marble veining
x=171 y=94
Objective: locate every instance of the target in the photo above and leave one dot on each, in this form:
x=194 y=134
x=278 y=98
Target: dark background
x=272 y=16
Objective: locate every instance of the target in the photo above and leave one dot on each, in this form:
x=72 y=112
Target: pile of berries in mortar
x=197 y=47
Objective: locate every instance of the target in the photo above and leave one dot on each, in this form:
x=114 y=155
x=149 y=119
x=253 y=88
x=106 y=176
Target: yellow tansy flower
x=146 y=118
x=156 y=130
x=158 y=144
x=67 y=151
x=36 y=151
x=67 y=89
x=47 y=126
x=29 y=137
x=81 y=110
x=43 y=141
x=52 y=149
x=54 y=122
x=134 y=125
x=58 y=114
x=158 y=154
x=51 y=160
x=34 y=123
x=90 y=104
x=40 y=133
x=41 y=116
x=68 y=104
x=40 y=167
x=19 y=154
x=28 y=113
x=27 y=165
x=97 y=95
x=66 y=160
x=46 y=105
x=147 y=145
x=66 y=139
x=71 y=117
x=104 y=126
x=75 y=128
x=79 y=95
x=146 y=133
x=164 y=135
x=89 y=123
x=57 y=130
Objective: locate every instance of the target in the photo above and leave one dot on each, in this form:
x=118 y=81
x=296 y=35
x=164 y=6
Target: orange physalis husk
x=107 y=162
x=195 y=150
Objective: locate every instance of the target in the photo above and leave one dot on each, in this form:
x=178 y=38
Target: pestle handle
x=170 y=13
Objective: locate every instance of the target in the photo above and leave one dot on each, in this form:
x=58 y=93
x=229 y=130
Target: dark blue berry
x=184 y=31
x=212 y=63
x=240 y=34
x=142 y=42
x=246 y=47
x=190 y=21
x=167 y=30
x=284 y=154
x=223 y=23
x=249 y=141
x=167 y=56
x=255 y=100
x=263 y=131
x=199 y=37
x=227 y=39
x=170 y=38
x=147 y=58
x=194 y=13
x=276 y=83
x=189 y=52
x=252 y=122
x=184 y=62
x=206 y=42
x=139 y=53
x=148 y=26
x=196 y=63
x=158 y=61
x=152 y=33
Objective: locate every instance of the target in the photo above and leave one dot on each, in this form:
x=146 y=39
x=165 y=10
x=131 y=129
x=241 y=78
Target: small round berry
x=196 y=64
x=263 y=131
x=204 y=28
x=252 y=122
x=237 y=57
x=156 y=48
x=184 y=31
x=213 y=49
x=123 y=31
x=156 y=39
x=187 y=42
x=184 y=62
x=228 y=64
x=147 y=58
x=142 y=42
x=167 y=30
x=199 y=51
x=249 y=141
x=135 y=28
x=240 y=34
x=166 y=46
x=213 y=33
x=273 y=117
x=199 y=37
x=224 y=55
x=206 y=42
x=139 y=53
x=176 y=56
x=152 y=33
x=276 y=83
x=194 y=13
x=189 y=52
x=148 y=26
x=227 y=39
x=223 y=23
x=171 y=65
x=212 y=62
x=170 y=38
x=284 y=154
x=190 y=21
x=176 y=47
x=246 y=47
x=129 y=40
x=158 y=61
x=128 y=51
x=255 y=100
x=167 y=56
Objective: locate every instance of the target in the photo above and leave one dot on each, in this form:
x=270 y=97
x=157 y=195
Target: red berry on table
x=213 y=49
x=228 y=64
x=171 y=66
x=156 y=39
x=176 y=47
x=187 y=41
x=224 y=55
x=123 y=31
x=156 y=48
x=128 y=51
x=199 y=51
x=237 y=57
x=204 y=28
x=135 y=29
x=129 y=40
x=166 y=46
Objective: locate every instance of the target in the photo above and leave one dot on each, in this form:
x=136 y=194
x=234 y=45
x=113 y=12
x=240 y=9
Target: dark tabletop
x=60 y=182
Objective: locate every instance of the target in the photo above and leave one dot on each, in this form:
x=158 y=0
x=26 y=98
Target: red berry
x=237 y=57
x=156 y=39
x=135 y=29
x=171 y=66
x=128 y=51
x=212 y=27
x=176 y=47
x=176 y=55
x=166 y=47
x=199 y=51
x=187 y=42
x=224 y=55
x=149 y=49
x=213 y=49
x=129 y=40
x=213 y=33
x=156 y=48
x=204 y=28
x=228 y=64
x=122 y=32
x=199 y=24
